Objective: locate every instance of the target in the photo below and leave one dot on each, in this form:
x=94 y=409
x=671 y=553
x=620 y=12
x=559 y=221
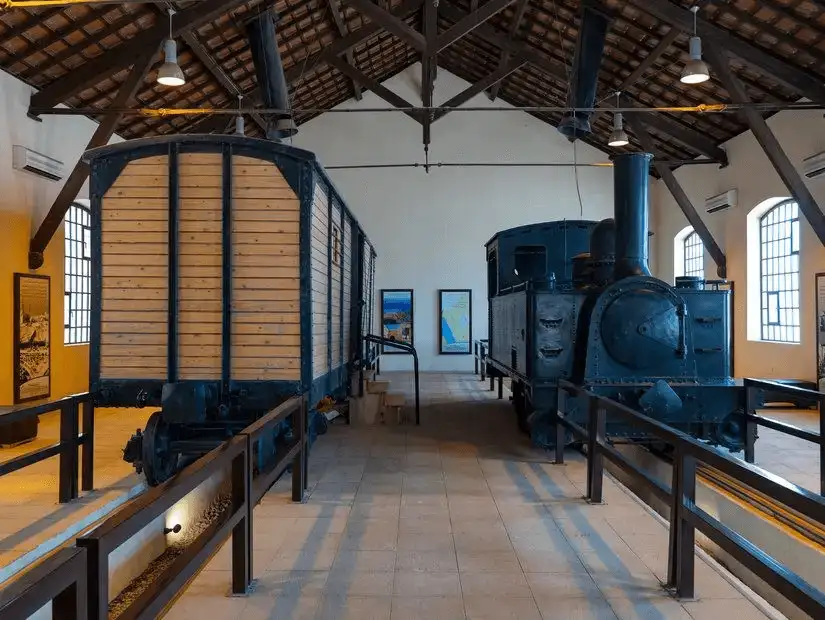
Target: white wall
x=429 y=229
x=801 y=133
x=61 y=137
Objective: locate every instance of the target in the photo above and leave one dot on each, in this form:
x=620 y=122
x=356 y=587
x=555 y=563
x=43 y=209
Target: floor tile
x=487 y=561
x=494 y=608
x=354 y=608
x=428 y=608
x=495 y=584
x=441 y=560
x=575 y=609
x=424 y=583
x=660 y=608
x=353 y=583
x=562 y=585
x=720 y=609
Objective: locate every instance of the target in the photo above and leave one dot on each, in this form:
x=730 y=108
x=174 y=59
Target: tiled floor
x=456 y=519
x=30 y=515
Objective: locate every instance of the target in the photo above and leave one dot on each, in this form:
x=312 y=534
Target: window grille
x=779 y=272
x=694 y=256
x=78 y=276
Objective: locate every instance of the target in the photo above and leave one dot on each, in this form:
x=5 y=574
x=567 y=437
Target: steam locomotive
x=575 y=300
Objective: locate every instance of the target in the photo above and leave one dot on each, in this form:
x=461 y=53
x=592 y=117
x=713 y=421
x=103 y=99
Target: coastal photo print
x=397 y=317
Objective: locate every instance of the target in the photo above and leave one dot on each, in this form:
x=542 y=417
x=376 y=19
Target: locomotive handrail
x=685 y=515
x=480 y=356
x=753 y=420
x=60 y=579
x=409 y=349
x=71 y=438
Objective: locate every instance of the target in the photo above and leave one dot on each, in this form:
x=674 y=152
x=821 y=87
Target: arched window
x=688 y=254
x=779 y=272
x=77 y=275
x=694 y=253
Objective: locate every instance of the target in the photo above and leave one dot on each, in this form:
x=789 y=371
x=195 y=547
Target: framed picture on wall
x=397 y=317
x=455 y=321
x=32 y=337
x=820 y=330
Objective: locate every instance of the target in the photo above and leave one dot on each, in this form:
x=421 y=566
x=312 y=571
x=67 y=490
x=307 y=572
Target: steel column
x=68 y=452
x=750 y=425
x=87 y=466
x=172 y=281
x=595 y=458
x=226 y=272
x=241 y=481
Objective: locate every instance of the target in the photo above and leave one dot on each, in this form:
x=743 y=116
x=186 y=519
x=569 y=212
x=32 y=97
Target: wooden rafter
x=479 y=87
x=518 y=14
x=391 y=23
x=337 y=16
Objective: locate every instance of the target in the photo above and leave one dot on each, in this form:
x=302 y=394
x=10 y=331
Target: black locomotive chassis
x=713 y=412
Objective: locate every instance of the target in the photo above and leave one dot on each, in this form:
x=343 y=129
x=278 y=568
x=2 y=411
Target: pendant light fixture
x=695 y=71
x=170 y=73
x=618 y=137
x=239 y=124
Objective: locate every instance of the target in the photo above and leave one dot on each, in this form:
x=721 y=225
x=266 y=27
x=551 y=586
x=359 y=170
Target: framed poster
x=32 y=350
x=397 y=317
x=455 y=321
x=820 y=330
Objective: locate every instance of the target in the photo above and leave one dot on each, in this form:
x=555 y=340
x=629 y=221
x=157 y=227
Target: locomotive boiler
x=575 y=300
x=228 y=276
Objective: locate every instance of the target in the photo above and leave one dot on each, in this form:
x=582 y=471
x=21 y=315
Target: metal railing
x=60 y=579
x=685 y=516
x=67 y=448
x=480 y=357
x=408 y=348
x=753 y=387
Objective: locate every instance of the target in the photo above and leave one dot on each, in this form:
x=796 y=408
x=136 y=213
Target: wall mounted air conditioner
x=24 y=158
x=814 y=166
x=720 y=202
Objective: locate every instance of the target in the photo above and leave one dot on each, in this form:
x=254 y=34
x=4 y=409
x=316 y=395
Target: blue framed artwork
x=397 y=317
x=455 y=321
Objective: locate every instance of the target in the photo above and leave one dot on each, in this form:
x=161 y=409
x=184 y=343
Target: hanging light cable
x=695 y=71
x=170 y=73
x=618 y=137
x=239 y=124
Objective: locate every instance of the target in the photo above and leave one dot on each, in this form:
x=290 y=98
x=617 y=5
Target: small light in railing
x=172 y=530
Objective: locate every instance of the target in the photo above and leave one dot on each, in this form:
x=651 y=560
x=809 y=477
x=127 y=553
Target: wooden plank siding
x=347 y=301
x=199 y=268
x=337 y=259
x=266 y=324
x=319 y=256
x=134 y=267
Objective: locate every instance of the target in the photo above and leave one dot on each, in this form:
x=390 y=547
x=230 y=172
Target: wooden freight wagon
x=228 y=275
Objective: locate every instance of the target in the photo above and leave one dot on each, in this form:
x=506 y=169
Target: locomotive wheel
x=159 y=462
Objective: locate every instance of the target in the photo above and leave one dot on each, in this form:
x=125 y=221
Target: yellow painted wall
x=69 y=364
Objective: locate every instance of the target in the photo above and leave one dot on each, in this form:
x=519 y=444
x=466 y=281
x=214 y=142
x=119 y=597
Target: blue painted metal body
x=218 y=408
x=598 y=319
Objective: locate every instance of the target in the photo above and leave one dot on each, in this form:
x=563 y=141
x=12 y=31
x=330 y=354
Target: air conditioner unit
x=720 y=202
x=31 y=161
x=814 y=166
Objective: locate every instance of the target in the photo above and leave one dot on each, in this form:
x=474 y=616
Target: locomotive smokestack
x=630 y=209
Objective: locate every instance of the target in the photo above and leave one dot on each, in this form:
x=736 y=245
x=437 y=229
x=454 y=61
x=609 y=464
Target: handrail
x=60 y=579
x=233 y=457
x=753 y=420
x=71 y=438
x=685 y=515
x=480 y=357
x=409 y=349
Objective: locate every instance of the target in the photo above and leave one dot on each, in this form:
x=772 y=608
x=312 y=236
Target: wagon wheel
x=159 y=462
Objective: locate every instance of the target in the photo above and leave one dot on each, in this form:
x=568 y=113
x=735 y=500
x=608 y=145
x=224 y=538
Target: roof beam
x=648 y=62
x=337 y=17
x=469 y=23
x=666 y=173
x=74 y=183
x=793 y=76
x=30 y=23
x=367 y=82
x=352 y=40
x=479 y=87
x=391 y=23
x=428 y=64
x=518 y=14
x=767 y=140
x=122 y=56
x=691 y=138
x=215 y=69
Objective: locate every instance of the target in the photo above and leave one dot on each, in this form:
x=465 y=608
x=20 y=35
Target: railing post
x=71 y=603
x=561 y=402
x=68 y=452
x=242 y=532
x=500 y=388
x=750 y=425
x=97 y=578
x=299 y=468
x=377 y=366
x=821 y=446
x=475 y=358
x=87 y=480
x=682 y=534
x=483 y=362
x=492 y=383
x=595 y=458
